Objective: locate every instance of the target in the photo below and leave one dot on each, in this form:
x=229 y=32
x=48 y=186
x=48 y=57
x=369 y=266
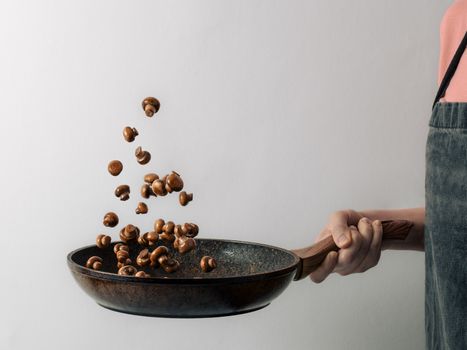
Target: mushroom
x=129 y=134
x=157 y=253
x=184 y=198
x=115 y=167
x=151 y=106
x=142 y=208
x=143 y=258
x=158 y=187
x=208 y=263
x=143 y=157
x=146 y=191
x=127 y=270
x=185 y=244
x=129 y=233
x=159 y=225
x=110 y=219
x=142 y=274
x=103 y=241
x=175 y=182
x=94 y=262
x=150 y=178
x=123 y=192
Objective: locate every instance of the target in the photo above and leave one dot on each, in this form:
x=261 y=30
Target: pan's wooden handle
x=312 y=256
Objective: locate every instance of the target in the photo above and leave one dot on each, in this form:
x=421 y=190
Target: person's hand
x=359 y=240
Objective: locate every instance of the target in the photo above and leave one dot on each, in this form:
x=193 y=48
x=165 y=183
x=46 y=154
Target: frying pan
x=248 y=277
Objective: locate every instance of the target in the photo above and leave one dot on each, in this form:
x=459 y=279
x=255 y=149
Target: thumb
x=341 y=235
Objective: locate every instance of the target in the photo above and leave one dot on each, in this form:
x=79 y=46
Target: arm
x=359 y=237
x=415 y=239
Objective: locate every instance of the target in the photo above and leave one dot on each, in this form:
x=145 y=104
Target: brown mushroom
x=157 y=253
x=123 y=192
x=178 y=231
x=127 y=270
x=170 y=265
x=129 y=233
x=142 y=208
x=152 y=238
x=94 y=262
x=184 y=198
x=151 y=106
x=143 y=240
x=115 y=167
x=150 y=178
x=158 y=225
x=142 y=274
x=143 y=157
x=129 y=133
x=143 y=258
x=127 y=262
x=110 y=219
x=175 y=181
x=122 y=256
x=190 y=229
x=167 y=237
x=103 y=241
x=146 y=191
x=186 y=244
x=168 y=227
x=158 y=187
x=208 y=263
x=168 y=188
x=120 y=246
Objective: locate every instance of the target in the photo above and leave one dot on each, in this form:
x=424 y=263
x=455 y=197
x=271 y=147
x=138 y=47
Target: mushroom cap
x=158 y=187
x=171 y=265
x=92 y=260
x=146 y=191
x=103 y=241
x=175 y=182
x=186 y=245
x=151 y=177
x=144 y=158
x=158 y=225
x=127 y=270
x=121 y=190
x=158 y=252
x=120 y=246
x=129 y=133
x=152 y=237
x=153 y=102
x=142 y=208
x=110 y=219
x=168 y=227
x=142 y=274
x=115 y=167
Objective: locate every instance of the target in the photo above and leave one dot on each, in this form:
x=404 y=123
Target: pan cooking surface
x=234 y=259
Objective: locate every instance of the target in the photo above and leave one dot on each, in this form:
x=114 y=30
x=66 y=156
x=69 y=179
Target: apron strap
x=451 y=70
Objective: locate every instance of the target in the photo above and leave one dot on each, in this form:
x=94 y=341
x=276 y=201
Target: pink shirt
x=452 y=30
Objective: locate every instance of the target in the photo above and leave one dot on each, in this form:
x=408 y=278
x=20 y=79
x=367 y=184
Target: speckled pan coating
x=248 y=277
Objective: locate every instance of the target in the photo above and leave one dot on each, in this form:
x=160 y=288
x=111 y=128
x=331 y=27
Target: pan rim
x=102 y=275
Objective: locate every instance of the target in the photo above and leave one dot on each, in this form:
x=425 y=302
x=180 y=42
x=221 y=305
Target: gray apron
x=446 y=220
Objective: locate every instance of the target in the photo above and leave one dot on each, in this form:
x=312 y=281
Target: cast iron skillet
x=248 y=277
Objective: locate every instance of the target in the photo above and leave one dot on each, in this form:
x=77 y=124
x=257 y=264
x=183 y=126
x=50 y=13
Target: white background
x=276 y=113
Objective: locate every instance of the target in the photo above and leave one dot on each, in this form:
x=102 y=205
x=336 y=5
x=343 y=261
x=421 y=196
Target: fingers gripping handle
x=311 y=257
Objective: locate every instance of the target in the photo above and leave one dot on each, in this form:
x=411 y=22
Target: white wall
x=275 y=112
